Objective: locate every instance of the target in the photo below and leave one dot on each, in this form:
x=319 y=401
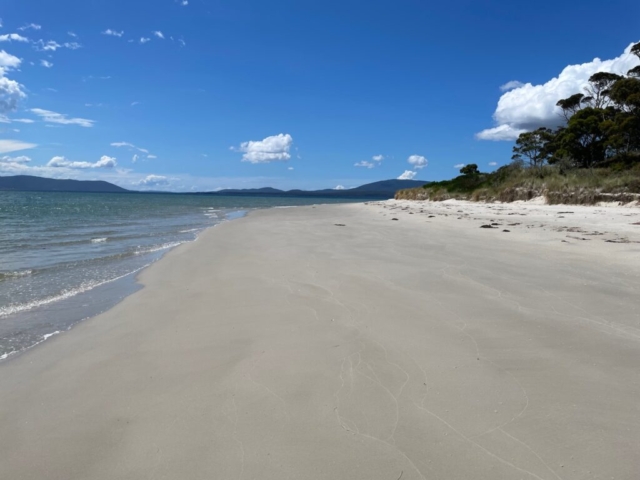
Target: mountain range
x=381 y=189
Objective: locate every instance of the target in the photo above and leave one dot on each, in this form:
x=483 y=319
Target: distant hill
x=27 y=183
x=382 y=189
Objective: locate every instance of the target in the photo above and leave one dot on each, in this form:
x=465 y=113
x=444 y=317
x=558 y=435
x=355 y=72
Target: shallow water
x=68 y=256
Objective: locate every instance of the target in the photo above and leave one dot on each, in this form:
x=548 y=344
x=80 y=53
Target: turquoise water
x=68 y=256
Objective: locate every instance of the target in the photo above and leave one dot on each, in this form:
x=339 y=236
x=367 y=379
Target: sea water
x=65 y=257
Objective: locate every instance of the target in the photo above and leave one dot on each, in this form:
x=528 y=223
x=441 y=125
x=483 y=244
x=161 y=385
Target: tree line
x=601 y=130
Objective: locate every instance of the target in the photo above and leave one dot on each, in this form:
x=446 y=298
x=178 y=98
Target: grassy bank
x=510 y=183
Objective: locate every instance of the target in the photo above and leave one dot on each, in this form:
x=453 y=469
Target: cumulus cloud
x=407 y=175
x=144 y=40
x=528 y=107
x=7 y=146
x=13 y=37
x=159 y=34
x=62 y=162
x=418 y=161
x=500 y=133
x=46 y=63
x=61 y=118
x=513 y=84
x=8 y=61
x=377 y=158
x=11 y=92
x=113 y=33
x=459 y=166
x=154 y=181
x=339 y=187
x=364 y=164
x=271 y=149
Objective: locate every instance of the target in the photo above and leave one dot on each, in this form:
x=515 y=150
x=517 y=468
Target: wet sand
x=335 y=342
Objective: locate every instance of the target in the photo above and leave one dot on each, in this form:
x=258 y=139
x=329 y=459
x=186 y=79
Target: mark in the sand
x=339 y=224
x=506 y=231
x=560 y=213
x=432 y=216
x=486 y=226
x=394 y=219
x=577 y=238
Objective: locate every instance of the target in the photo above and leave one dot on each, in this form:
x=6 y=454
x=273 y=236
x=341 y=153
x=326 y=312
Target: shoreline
x=334 y=342
x=81 y=297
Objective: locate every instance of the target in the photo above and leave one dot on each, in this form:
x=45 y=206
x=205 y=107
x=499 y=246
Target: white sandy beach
x=333 y=342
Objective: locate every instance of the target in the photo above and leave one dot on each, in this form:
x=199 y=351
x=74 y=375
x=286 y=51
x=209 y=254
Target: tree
x=600 y=84
x=471 y=169
x=534 y=147
x=570 y=105
x=584 y=137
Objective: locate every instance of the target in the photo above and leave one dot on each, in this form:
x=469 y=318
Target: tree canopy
x=602 y=125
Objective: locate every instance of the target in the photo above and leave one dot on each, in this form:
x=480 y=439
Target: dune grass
x=510 y=183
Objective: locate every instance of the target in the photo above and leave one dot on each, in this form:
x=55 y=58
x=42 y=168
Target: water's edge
x=103 y=297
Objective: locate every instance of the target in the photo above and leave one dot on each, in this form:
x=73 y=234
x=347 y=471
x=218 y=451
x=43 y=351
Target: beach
x=388 y=340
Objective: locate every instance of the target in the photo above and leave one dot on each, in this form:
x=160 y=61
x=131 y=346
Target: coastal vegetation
x=593 y=156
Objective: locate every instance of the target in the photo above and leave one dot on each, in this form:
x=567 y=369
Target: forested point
x=594 y=156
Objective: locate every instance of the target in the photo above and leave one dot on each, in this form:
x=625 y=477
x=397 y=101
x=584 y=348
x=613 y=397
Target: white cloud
x=7 y=146
x=159 y=34
x=71 y=34
x=182 y=42
x=19 y=159
x=151 y=157
x=500 y=133
x=8 y=61
x=61 y=118
x=364 y=164
x=22 y=120
x=407 y=175
x=290 y=168
x=459 y=166
x=493 y=164
x=123 y=144
x=184 y=3
x=154 y=181
x=133 y=104
x=46 y=63
x=531 y=106
x=511 y=85
x=72 y=45
x=10 y=94
x=144 y=40
x=13 y=37
x=49 y=46
x=271 y=149
x=61 y=162
x=135 y=158
x=113 y=33
x=377 y=158
x=418 y=161
x=30 y=26
x=339 y=187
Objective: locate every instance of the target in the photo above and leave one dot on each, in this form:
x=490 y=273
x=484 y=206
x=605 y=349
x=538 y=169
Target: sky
x=199 y=95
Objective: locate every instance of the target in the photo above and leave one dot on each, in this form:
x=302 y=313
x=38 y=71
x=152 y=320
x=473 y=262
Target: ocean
x=65 y=257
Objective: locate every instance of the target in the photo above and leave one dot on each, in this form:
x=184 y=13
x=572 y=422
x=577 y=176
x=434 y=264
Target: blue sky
x=204 y=94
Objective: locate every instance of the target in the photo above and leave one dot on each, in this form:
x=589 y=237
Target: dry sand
x=284 y=346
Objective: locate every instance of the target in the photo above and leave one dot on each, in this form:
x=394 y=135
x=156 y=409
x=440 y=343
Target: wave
x=98 y=240
x=16 y=274
x=65 y=294
x=46 y=337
